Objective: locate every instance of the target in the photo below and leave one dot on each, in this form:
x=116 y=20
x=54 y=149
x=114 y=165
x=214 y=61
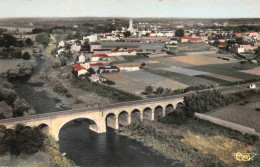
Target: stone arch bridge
x=111 y=115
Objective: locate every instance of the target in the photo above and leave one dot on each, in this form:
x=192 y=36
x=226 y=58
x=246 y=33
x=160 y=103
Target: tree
x=242 y=63
x=22 y=140
x=26 y=56
x=63 y=60
x=91 y=71
x=29 y=42
x=7 y=41
x=43 y=38
x=149 y=90
x=159 y=90
x=127 y=34
x=85 y=46
x=179 y=32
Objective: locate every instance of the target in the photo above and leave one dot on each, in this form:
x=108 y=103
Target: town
x=135 y=90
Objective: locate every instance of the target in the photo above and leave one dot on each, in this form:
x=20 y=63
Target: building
x=94 y=45
x=108 y=69
x=91 y=38
x=100 y=57
x=79 y=70
x=221 y=40
x=102 y=51
x=81 y=59
x=185 y=39
x=131 y=52
x=131 y=27
x=75 y=47
x=194 y=40
x=96 y=66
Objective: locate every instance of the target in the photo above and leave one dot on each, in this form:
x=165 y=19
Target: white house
x=79 y=70
x=81 y=58
x=123 y=53
x=99 y=57
x=130 y=68
x=91 y=38
x=75 y=48
x=185 y=39
x=61 y=44
x=94 y=45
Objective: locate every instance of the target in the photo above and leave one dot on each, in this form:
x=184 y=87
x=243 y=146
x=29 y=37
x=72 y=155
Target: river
x=85 y=147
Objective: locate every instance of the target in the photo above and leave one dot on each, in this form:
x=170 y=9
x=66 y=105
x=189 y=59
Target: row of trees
x=9 y=40
x=202 y=102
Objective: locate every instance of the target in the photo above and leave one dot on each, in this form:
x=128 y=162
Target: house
x=153 y=34
x=79 y=70
x=81 y=59
x=195 y=40
x=61 y=44
x=221 y=46
x=108 y=69
x=128 y=66
x=91 y=38
x=100 y=57
x=75 y=47
x=123 y=52
x=221 y=40
x=238 y=34
x=185 y=39
x=94 y=45
x=96 y=66
x=102 y=51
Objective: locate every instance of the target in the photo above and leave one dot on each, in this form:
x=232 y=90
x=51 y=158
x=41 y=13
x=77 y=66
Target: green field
x=230 y=69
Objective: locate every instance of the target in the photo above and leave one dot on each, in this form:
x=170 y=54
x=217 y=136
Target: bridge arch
x=111 y=121
x=148 y=113
x=158 y=112
x=136 y=115
x=169 y=108
x=124 y=118
x=55 y=130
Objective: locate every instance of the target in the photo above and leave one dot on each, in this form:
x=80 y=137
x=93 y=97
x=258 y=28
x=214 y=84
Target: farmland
x=186 y=69
x=238 y=112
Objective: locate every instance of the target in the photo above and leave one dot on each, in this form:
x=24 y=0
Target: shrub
x=63 y=60
x=56 y=64
x=43 y=38
x=8 y=95
x=22 y=140
x=20 y=107
x=60 y=88
x=26 y=56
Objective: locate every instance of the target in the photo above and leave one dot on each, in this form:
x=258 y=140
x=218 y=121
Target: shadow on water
x=87 y=148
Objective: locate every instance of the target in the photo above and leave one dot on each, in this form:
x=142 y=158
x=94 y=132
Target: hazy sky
x=131 y=8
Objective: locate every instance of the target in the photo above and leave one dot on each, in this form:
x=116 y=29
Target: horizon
x=183 y=9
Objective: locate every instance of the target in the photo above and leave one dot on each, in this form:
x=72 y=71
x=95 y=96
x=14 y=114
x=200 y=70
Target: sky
x=131 y=8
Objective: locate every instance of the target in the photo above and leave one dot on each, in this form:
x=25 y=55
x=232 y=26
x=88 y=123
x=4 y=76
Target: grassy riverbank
x=196 y=143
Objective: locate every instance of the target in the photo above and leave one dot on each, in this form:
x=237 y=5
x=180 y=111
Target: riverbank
x=194 y=142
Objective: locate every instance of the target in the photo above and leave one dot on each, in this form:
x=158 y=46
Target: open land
x=238 y=112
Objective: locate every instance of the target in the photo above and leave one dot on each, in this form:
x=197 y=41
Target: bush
x=26 y=56
x=22 y=140
x=56 y=64
x=63 y=60
x=60 y=88
x=43 y=38
x=8 y=95
x=20 y=107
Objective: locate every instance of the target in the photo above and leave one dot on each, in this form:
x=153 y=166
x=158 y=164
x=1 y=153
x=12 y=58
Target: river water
x=85 y=147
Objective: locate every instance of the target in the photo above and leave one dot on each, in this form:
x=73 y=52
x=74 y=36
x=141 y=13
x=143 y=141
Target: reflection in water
x=87 y=148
